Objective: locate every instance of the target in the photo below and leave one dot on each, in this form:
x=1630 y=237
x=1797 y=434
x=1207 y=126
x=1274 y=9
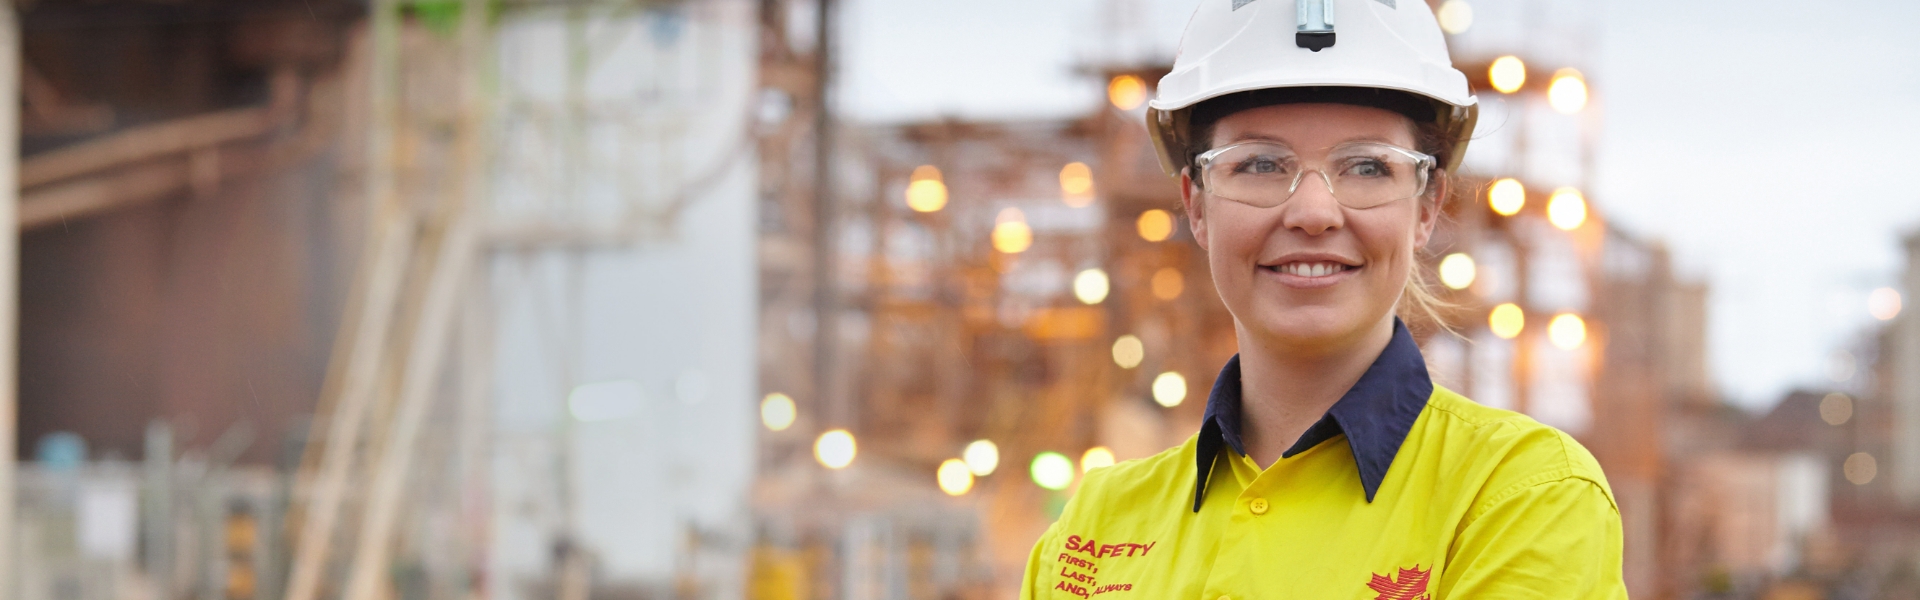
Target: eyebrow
x=1250 y=136
x=1254 y=137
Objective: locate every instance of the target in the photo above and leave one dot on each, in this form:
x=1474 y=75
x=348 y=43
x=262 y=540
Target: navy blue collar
x=1375 y=415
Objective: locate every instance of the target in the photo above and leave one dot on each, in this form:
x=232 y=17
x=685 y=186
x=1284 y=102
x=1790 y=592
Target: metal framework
x=433 y=218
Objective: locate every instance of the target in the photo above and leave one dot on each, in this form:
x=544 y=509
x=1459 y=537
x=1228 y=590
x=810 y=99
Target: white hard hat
x=1233 y=46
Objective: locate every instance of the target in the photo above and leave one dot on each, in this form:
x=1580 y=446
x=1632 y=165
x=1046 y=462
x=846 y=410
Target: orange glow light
x=926 y=192
x=1507 y=320
x=1567 y=331
x=1011 y=234
x=1076 y=184
x=1155 y=225
x=1507 y=197
x=1507 y=74
x=1127 y=92
x=1567 y=209
x=1168 y=283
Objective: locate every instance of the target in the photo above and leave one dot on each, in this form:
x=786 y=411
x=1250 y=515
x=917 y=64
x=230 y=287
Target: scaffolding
x=487 y=174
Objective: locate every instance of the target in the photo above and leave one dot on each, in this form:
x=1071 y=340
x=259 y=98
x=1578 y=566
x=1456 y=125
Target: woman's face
x=1310 y=274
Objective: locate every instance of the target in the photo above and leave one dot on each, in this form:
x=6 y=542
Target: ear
x=1429 y=216
x=1196 y=209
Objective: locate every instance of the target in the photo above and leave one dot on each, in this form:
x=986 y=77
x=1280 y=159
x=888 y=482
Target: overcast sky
x=1770 y=143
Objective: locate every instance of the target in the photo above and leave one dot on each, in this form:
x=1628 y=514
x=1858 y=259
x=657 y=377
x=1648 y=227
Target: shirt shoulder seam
x=1567 y=454
x=1547 y=478
x=1477 y=423
x=1569 y=468
x=1585 y=469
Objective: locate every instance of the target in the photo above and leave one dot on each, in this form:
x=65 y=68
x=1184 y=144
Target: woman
x=1312 y=167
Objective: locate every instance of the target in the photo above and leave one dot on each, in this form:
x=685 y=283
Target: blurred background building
x=613 y=299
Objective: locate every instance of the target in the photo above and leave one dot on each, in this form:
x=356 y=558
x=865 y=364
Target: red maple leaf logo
x=1410 y=585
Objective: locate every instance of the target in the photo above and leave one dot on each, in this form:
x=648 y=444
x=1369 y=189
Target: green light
x=1052 y=470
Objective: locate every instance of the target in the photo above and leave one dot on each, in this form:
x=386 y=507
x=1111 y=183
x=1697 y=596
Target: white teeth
x=1302 y=269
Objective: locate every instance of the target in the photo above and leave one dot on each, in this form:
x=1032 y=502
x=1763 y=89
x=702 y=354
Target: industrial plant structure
x=604 y=299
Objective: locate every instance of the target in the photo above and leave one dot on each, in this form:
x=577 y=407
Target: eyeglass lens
x=1359 y=175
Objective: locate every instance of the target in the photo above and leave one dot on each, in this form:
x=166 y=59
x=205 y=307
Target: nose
x=1312 y=208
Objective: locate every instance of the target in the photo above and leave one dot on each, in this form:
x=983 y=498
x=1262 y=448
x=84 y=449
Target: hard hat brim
x=1171 y=128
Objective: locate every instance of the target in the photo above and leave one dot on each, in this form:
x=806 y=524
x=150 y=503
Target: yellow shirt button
x=1259 y=507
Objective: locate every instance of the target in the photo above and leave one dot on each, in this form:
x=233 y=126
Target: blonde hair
x=1418 y=305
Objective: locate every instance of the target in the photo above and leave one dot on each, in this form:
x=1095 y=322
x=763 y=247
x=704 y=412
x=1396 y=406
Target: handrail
x=145 y=142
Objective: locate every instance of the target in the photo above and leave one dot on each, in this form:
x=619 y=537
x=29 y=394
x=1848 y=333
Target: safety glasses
x=1359 y=174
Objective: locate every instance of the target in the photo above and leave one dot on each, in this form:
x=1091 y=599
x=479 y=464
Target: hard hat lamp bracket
x=1315 y=30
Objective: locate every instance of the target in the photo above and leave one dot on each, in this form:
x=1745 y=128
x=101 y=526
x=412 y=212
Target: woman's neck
x=1285 y=388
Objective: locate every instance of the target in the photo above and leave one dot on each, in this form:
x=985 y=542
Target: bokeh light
x=1567 y=92
x=1096 y=457
x=1507 y=196
x=777 y=411
x=1076 y=184
x=1456 y=16
x=1841 y=366
x=954 y=477
x=1128 y=351
x=1507 y=74
x=1011 y=233
x=613 y=141
x=1507 y=320
x=926 y=192
x=1860 y=468
x=1127 y=92
x=1052 y=470
x=982 y=457
x=1168 y=283
x=1169 y=389
x=1457 y=271
x=835 y=449
x=1567 y=331
x=1567 y=209
x=1155 y=225
x=1836 y=408
x=1090 y=286
x=1884 y=303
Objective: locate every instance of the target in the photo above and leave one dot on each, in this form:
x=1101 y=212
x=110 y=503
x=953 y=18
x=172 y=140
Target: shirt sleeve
x=1031 y=587
x=1557 y=539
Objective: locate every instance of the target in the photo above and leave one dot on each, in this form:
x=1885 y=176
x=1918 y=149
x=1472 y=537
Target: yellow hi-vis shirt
x=1431 y=497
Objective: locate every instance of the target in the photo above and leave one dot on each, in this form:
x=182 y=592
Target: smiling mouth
x=1310 y=269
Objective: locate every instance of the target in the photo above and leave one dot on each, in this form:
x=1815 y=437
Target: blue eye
x=1369 y=168
x=1260 y=165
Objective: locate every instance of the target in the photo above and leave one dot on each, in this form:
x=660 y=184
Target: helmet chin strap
x=1315 y=30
